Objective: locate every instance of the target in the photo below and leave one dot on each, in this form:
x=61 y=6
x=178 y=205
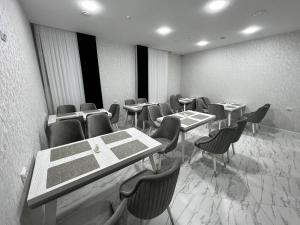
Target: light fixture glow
x=251 y=30
x=164 y=30
x=90 y=6
x=203 y=43
x=215 y=6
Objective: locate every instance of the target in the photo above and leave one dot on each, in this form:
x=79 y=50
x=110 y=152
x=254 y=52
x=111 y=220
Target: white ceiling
x=186 y=17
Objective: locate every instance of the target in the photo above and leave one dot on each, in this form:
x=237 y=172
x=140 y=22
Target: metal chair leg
x=224 y=161
x=170 y=215
x=228 y=157
x=117 y=126
x=143 y=125
x=233 y=148
x=194 y=151
x=126 y=120
x=220 y=125
x=253 y=128
x=215 y=166
x=149 y=132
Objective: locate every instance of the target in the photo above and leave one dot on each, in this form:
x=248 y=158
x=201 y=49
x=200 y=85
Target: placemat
x=65 y=151
x=187 y=113
x=188 y=121
x=64 y=172
x=110 y=138
x=128 y=149
x=66 y=114
x=200 y=117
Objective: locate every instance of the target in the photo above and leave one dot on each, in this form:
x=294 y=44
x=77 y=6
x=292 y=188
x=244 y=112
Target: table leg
x=50 y=213
x=229 y=119
x=153 y=163
x=182 y=147
x=183 y=107
x=135 y=119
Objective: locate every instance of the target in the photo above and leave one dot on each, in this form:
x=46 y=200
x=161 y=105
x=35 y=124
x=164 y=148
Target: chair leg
x=220 y=125
x=253 y=128
x=170 y=215
x=126 y=120
x=215 y=166
x=228 y=156
x=194 y=151
x=143 y=125
x=224 y=161
x=233 y=148
x=117 y=126
x=149 y=132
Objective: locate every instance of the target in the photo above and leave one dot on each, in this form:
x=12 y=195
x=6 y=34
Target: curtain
x=60 y=67
x=158 y=75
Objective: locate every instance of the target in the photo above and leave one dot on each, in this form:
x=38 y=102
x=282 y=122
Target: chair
x=176 y=106
x=191 y=106
x=178 y=96
x=149 y=194
x=256 y=117
x=96 y=213
x=219 y=144
x=167 y=134
x=129 y=102
x=62 y=109
x=144 y=116
x=154 y=113
x=79 y=118
x=114 y=109
x=165 y=109
x=206 y=101
x=64 y=132
x=200 y=106
x=141 y=100
x=219 y=112
x=87 y=106
x=98 y=124
x=239 y=129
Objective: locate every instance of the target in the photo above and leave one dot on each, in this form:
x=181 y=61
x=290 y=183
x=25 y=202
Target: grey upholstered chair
x=219 y=144
x=87 y=106
x=64 y=132
x=176 y=106
x=114 y=109
x=149 y=194
x=200 y=106
x=98 y=124
x=165 y=109
x=144 y=116
x=239 y=129
x=191 y=106
x=131 y=114
x=256 y=117
x=141 y=100
x=62 y=109
x=79 y=118
x=206 y=101
x=95 y=213
x=219 y=112
x=154 y=113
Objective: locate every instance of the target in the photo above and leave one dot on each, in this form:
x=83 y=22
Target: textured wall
x=254 y=72
x=174 y=74
x=22 y=108
x=117 y=72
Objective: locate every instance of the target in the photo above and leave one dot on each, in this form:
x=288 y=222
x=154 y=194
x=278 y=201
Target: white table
x=185 y=101
x=53 y=118
x=136 y=108
x=41 y=196
x=190 y=121
x=231 y=107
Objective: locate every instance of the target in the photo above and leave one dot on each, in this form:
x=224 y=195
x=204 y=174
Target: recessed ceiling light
x=215 y=6
x=260 y=12
x=128 y=17
x=251 y=30
x=89 y=6
x=164 y=30
x=202 y=43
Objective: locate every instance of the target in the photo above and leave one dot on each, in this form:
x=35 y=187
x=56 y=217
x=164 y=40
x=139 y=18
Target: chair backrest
x=153 y=193
x=191 y=106
x=114 y=109
x=78 y=118
x=170 y=129
x=141 y=100
x=217 y=110
x=154 y=113
x=66 y=109
x=129 y=101
x=98 y=124
x=200 y=106
x=64 y=132
x=241 y=124
x=178 y=96
x=173 y=102
x=144 y=115
x=206 y=101
x=87 y=106
x=260 y=114
x=165 y=109
x=220 y=142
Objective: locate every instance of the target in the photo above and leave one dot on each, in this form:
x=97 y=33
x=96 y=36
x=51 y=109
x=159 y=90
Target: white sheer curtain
x=157 y=75
x=60 y=66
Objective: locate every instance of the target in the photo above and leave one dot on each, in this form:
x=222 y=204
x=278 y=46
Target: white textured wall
x=254 y=72
x=117 y=72
x=174 y=74
x=22 y=108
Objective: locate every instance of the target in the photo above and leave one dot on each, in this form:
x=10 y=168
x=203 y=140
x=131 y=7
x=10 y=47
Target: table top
x=137 y=107
x=191 y=119
x=60 y=170
x=53 y=118
x=186 y=100
x=230 y=107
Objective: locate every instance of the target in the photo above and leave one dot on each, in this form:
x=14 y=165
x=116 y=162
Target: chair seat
x=202 y=140
x=128 y=186
x=165 y=143
x=96 y=214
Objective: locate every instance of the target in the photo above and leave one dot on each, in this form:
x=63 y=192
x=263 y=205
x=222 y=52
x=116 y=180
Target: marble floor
x=260 y=185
